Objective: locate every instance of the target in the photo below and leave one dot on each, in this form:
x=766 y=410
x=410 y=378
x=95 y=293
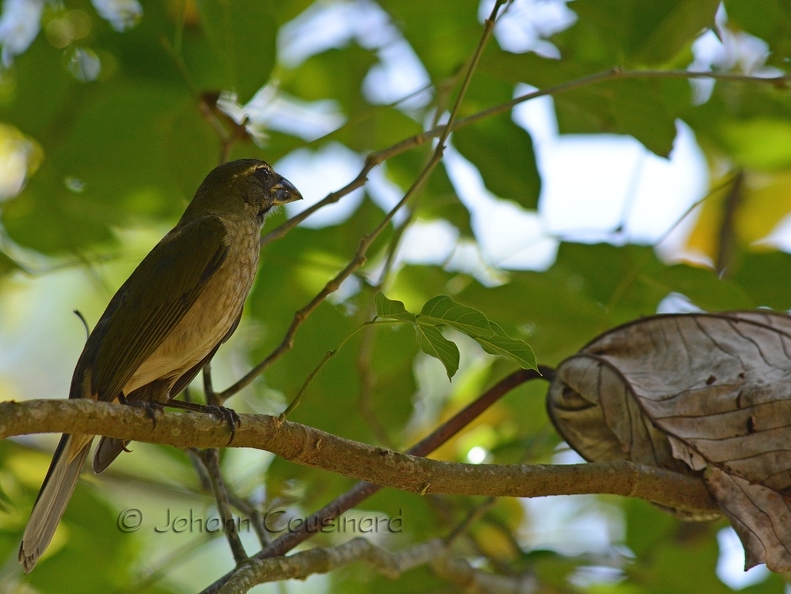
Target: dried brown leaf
x=700 y=394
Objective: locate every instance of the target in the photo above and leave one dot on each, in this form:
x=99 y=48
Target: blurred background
x=559 y=218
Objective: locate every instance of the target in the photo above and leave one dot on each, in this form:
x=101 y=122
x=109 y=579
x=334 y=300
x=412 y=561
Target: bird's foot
x=150 y=407
x=230 y=416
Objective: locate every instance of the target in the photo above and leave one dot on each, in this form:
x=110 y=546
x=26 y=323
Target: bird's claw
x=150 y=407
x=230 y=416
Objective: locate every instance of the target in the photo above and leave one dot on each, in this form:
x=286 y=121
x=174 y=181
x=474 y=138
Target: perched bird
x=166 y=322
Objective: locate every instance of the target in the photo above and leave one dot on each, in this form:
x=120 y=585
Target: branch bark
x=312 y=447
x=324 y=560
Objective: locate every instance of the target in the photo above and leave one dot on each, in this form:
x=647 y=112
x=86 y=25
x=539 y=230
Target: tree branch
x=318 y=449
x=363 y=490
x=376 y=158
x=211 y=460
x=324 y=560
x=392 y=565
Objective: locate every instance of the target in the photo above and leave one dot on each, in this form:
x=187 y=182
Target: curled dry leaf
x=700 y=394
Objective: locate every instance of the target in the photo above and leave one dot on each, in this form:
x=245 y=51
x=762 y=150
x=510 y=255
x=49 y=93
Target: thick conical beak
x=285 y=192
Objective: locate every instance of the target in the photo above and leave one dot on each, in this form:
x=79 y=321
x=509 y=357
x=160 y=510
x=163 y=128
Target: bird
x=165 y=322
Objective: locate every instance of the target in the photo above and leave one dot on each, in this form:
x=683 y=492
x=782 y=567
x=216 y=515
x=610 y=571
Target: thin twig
x=211 y=460
x=367 y=379
x=472 y=516
x=327 y=356
x=392 y=565
x=727 y=246
x=378 y=157
x=298 y=398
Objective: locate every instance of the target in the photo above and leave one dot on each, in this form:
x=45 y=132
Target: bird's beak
x=285 y=192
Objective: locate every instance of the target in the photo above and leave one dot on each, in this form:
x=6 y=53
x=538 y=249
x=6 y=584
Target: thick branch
x=363 y=490
x=311 y=447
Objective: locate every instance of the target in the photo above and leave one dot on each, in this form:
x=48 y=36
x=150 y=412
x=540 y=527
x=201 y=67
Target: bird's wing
x=153 y=300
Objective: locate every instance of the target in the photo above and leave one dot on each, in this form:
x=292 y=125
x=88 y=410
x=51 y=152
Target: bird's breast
x=210 y=318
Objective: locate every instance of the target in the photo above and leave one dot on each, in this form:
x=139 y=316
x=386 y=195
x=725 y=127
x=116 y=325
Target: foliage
x=110 y=119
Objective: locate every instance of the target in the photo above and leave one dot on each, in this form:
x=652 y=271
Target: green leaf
x=768 y=19
x=437 y=197
x=243 y=35
x=633 y=32
x=7 y=264
x=503 y=153
x=758 y=273
x=374 y=128
x=512 y=348
x=389 y=308
x=639 y=33
x=671 y=26
x=433 y=343
x=337 y=73
x=645 y=109
x=759 y=143
x=443 y=310
x=444 y=41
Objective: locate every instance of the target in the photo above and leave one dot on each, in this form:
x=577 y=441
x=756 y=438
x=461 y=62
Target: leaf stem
x=327 y=356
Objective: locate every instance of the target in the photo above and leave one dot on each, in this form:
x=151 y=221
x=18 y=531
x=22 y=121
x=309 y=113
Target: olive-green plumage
x=166 y=321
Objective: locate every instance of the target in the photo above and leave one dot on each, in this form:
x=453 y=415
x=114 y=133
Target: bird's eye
x=263 y=174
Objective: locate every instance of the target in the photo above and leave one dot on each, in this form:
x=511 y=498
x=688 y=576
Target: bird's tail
x=54 y=496
x=108 y=450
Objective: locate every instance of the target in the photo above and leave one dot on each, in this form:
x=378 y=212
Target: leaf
x=762 y=143
x=512 y=348
x=433 y=343
x=759 y=274
x=443 y=310
x=503 y=153
x=7 y=264
x=768 y=19
x=242 y=34
x=691 y=393
x=428 y=335
x=444 y=41
x=374 y=128
x=645 y=109
x=645 y=34
x=389 y=308
x=763 y=202
x=438 y=198
x=672 y=26
x=337 y=73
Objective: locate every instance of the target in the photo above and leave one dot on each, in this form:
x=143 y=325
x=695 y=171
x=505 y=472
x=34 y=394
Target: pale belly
x=205 y=324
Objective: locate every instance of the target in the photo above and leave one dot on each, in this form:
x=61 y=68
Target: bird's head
x=246 y=186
